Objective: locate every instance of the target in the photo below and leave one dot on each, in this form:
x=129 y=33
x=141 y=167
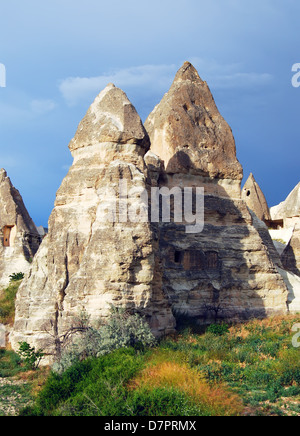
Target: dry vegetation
x=248 y=369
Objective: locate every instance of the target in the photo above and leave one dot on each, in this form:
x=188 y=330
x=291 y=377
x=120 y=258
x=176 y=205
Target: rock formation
x=291 y=255
x=94 y=255
x=287 y=217
x=19 y=239
x=230 y=267
x=188 y=133
x=288 y=212
x=255 y=199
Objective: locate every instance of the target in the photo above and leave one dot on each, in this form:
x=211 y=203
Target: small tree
x=28 y=354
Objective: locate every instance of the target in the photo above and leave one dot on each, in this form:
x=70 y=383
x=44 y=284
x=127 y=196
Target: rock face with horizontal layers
x=88 y=261
x=229 y=269
x=255 y=199
x=91 y=259
x=19 y=238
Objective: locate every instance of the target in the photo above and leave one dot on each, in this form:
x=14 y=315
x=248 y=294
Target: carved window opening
x=177 y=257
x=194 y=260
x=212 y=260
x=248 y=193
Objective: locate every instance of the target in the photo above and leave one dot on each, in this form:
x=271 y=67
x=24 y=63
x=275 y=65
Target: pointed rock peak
x=187 y=72
x=111 y=118
x=251 y=181
x=255 y=199
x=3 y=174
x=188 y=132
x=288 y=208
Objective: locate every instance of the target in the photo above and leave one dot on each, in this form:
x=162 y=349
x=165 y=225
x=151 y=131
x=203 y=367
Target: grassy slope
x=252 y=370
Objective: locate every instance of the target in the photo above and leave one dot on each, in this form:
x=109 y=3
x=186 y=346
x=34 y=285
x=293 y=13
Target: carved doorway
x=7 y=236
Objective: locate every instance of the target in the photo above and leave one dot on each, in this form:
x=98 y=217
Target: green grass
x=7 y=302
x=248 y=369
x=256 y=360
x=109 y=386
x=10 y=364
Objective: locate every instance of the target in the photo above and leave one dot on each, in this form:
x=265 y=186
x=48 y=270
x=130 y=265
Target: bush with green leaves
x=29 y=356
x=218 y=329
x=123 y=330
x=15 y=277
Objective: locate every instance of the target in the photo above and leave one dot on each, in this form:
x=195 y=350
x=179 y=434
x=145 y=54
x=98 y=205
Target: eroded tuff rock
x=255 y=199
x=291 y=255
x=19 y=238
x=230 y=269
x=111 y=118
x=289 y=210
x=189 y=134
x=87 y=262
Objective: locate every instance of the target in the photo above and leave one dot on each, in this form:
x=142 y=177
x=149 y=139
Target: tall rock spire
x=188 y=132
x=111 y=118
x=255 y=199
x=19 y=238
x=94 y=255
x=231 y=265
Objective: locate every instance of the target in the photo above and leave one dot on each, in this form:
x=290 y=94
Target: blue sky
x=59 y=55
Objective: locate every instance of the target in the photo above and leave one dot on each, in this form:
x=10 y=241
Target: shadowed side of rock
x=228 y=270
x=291 y=255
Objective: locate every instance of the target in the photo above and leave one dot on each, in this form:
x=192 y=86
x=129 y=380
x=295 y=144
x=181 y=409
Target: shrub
x=94 y=387
x=125 y=330
x=218 y=329
x=28 y=355
x=122 y=330
x=15 y=277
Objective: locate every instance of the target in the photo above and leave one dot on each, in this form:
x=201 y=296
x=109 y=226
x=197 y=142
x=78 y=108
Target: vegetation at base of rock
x=7 y=302
x=10 y=364
x=252 y=369
x=18 y=386
x=218 y=329
x=15 y=277
x=109 y=386
x=122 y=330
x=30 y=356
